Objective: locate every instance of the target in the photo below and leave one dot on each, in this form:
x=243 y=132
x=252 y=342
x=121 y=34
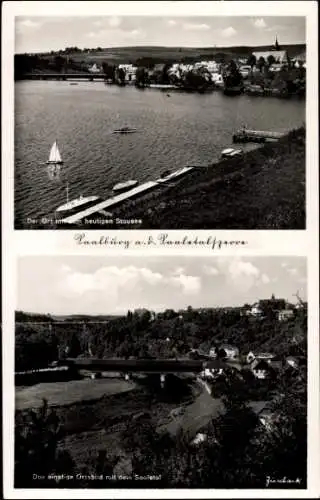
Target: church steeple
x=276 y=44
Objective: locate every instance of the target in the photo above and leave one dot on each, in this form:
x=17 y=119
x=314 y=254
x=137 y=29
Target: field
x=67 y=393
x=263 y=189
x=93 y=414
x=105 y=432
x=122 y=55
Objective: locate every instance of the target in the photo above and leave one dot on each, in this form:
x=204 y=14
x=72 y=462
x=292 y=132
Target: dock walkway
x=115 y=200
x=261 y=133
x=247 y=135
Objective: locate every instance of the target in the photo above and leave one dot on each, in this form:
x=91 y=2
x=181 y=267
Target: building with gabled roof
x=261 y=369
x=228 y=351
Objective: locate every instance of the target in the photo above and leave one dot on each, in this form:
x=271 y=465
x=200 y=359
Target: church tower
x=276 y=44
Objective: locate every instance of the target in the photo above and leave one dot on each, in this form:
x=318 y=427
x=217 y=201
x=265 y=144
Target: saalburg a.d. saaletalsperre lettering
x=160 y=240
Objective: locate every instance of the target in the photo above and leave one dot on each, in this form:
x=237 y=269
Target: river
x=172 y=131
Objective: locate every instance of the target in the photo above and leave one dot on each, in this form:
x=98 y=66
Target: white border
x=260 y=242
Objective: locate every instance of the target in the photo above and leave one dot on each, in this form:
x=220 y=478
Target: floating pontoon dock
x=247 y=135
x=111 y=202
x=262 y=133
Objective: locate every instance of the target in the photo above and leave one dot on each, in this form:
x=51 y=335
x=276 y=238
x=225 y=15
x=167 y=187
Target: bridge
x=134 y=365
x=70 y=367
x=127 y=367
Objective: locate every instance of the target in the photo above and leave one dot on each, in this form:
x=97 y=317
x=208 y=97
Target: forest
x=142 y=334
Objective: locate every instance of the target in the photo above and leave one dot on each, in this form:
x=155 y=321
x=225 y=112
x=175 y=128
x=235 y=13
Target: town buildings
x=130 y=72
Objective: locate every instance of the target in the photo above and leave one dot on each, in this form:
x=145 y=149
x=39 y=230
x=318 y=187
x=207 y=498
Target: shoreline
x=222 y=199
x=247 y=91
x=166 y=206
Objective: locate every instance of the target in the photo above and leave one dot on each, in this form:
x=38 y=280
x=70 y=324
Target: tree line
x=155 y=70
x=168 y=335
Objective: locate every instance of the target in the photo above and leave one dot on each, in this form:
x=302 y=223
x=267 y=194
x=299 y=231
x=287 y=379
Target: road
x=198 y=414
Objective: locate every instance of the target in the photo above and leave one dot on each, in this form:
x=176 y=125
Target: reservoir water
x=172 y=132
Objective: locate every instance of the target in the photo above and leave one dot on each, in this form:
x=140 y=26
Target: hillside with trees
x=239 y=451
x=250 y=191
x=132 y=429
x=169 y=334
x=74 y=59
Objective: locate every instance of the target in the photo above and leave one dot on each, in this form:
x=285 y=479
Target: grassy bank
x=263 y=189
x=67 y=393
x=90 y=426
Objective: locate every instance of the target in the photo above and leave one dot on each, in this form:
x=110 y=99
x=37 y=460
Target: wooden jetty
x=116 y=200
x=248 y=135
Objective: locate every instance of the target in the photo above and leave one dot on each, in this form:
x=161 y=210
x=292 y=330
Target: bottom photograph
x=157 y=372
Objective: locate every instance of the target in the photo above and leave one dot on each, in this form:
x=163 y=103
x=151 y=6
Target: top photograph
x=141 y=122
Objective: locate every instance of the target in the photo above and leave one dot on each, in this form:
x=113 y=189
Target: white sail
x=55 y=156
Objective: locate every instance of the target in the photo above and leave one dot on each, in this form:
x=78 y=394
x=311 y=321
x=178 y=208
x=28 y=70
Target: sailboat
x=78 y=203
x=54 y=156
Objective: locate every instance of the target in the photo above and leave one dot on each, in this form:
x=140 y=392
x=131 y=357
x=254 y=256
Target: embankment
x=263 y=189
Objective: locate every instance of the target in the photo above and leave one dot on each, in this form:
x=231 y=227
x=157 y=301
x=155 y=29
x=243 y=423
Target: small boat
x=54 y=156
x=73 y=83
x=124 y=186
x=78 y=203
x=124 y=130
x=231 y=152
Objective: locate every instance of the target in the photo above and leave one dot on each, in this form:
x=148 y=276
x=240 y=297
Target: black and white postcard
x=160 y=249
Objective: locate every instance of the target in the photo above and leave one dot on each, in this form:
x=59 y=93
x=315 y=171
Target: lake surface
x=183 y=129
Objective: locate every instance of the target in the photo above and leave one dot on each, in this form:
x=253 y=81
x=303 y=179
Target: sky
x=41 y=34
x=114 y=285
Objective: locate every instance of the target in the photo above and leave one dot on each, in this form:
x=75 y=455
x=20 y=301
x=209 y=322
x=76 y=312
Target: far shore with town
x=274 y=71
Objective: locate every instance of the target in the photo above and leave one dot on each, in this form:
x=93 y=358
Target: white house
x=210 y=373
x=274 y=68
x=300 y=59
x=256 y=310
x=130 y=72
x=285 y=314
x=94 y=69
x=260 y=369
x=231 y=352
x=217 y=79
x=213 y=352
x=245 y=71
x=212 y=66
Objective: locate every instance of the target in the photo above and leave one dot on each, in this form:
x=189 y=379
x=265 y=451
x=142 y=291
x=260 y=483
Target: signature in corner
x=283 y=480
